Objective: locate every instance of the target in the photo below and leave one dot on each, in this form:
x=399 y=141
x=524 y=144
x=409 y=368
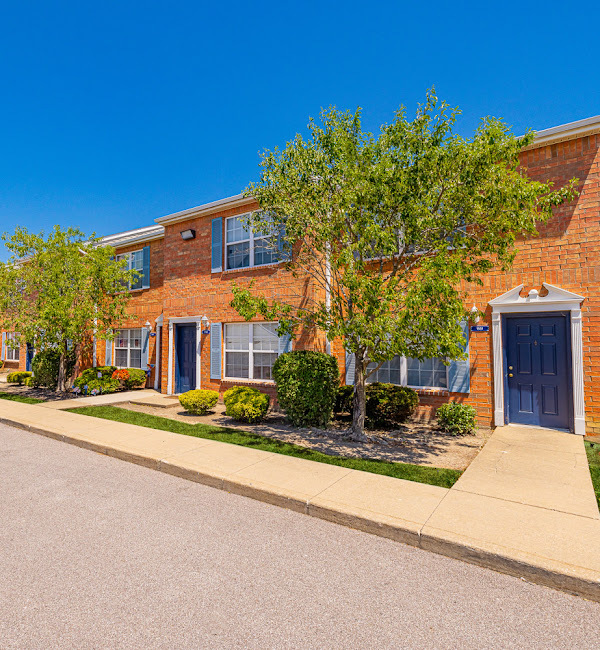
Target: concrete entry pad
x=157 y=401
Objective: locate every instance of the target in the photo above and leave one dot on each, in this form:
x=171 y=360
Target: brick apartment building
x=534 y=358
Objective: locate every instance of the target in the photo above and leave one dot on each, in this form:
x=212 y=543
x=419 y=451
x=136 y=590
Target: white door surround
x=556 y=299
x=188 y=320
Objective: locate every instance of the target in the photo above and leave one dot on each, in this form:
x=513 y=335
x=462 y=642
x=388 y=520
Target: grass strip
x=419 y=473
x=20 y=398
x=593 y=455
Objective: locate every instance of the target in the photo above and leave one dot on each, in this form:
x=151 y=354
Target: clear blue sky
x=114 y=113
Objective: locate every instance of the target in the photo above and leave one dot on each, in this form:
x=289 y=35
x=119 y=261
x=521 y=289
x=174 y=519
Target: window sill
x=430 y=391
x=240 y=380
x=249 y=268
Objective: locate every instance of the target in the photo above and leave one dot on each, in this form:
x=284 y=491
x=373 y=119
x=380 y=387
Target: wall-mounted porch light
x=188 y=234
x=205 y=322
x=475 y=314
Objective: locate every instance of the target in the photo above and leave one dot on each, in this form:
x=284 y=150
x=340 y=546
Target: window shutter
x=350 y=368
x=215 y=350
x=145 y=347
x=459 y=376
x=3 y=355
x=108 y=353
x=146 y=267
x=285 y=344
x=216 y=255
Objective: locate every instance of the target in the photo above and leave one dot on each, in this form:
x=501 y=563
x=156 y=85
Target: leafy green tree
x=391 y=226
x=61 y=290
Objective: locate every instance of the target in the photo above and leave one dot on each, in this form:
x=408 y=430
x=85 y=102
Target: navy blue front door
x=29 y=357
x=185 y=358
x=538 y=370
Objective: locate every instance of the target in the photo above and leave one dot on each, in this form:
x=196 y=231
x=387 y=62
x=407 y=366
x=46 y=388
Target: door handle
x=510 y=374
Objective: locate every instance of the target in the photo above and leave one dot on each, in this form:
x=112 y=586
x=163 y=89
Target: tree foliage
x=391 y=226
x=59 y=290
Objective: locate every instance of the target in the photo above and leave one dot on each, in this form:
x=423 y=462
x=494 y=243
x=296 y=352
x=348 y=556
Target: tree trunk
x=61 y=384
x=359 y=402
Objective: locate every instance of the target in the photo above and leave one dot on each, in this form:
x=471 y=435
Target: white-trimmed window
x=135 y=261
x=11 y=351
x=250 y=350
x=430 y=373
x=245 y=248
x=128 y=348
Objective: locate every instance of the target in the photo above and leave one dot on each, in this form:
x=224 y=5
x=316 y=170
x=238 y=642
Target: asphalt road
x=99 y=553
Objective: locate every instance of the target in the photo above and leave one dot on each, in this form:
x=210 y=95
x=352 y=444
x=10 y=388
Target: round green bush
x=388 y=404
x=28 y=381
x=236 y=393
x=456 y=418
x=246 y=404
x=307 y=383
x=17 y=377
x=199 y=402
x=45 y=366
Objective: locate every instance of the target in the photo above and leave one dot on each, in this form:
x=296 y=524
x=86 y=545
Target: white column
x=198 y=353
x=498 y=370
x=577 y=360
x=157 y=368
x=170 y=362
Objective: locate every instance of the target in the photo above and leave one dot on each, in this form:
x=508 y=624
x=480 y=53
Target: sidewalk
x=525 y=506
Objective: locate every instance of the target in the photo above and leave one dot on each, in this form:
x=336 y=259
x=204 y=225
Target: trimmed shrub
x=98 y=379
x=199 y=402
x=455 y=418
x=45 y=366
x=388 y=404
x=307 y=384
x=17 y=377
x=137 y=379
x=28 y=381
x=343 y=399
x=246 y=404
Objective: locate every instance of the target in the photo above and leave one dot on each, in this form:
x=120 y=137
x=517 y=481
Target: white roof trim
x=147 y=233
x=206 y=208
x=578 y=129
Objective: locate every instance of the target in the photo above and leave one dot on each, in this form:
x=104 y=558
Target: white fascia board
x=206 y=209
x=570 y=131
x=148 y=233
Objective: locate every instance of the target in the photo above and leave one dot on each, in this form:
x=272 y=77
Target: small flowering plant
x=95 y=391
x=77 y=390
x=121 y=375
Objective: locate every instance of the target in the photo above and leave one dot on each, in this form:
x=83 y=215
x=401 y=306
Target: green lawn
x=430 y=475
x=20 y=398
x=593 y=455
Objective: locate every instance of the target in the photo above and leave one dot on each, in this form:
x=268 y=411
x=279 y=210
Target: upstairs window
x=135 y=261
x=245 y=248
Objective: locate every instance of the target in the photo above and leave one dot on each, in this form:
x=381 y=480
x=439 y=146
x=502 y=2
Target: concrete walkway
x=100 y=400
x=525 y=506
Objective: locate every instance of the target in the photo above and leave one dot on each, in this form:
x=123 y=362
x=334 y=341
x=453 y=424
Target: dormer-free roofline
x=563 y=132
x=238 y=200
x=138 y=235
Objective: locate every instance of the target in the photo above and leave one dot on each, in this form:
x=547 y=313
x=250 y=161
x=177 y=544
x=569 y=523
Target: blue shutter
x=350 y=368
x=146 y=267
x=3 y=355
x=145 y=347
x=216 y=255
x=459 y=375
x=215 y=350
x=285 y=344
x=108 y=353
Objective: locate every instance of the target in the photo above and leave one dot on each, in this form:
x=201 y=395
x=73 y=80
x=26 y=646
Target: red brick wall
x=191 y=290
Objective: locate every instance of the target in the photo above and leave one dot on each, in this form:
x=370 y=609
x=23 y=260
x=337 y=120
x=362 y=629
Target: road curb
x=571 y=579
